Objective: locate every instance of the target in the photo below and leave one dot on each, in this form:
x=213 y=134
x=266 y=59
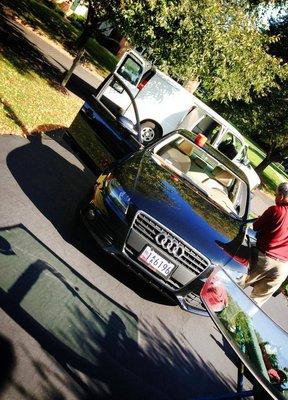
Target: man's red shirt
x=272 y=232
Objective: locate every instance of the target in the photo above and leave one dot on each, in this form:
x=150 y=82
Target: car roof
x=216 y=154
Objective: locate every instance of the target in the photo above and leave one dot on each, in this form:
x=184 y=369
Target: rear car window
x=130 y=70
x=217 y=182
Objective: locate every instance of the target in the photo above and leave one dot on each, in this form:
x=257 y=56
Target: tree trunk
x=81 y=41
x=91 y=22
x=87 y=31
x=75 y=62
x=85 y=36
x=267 y=160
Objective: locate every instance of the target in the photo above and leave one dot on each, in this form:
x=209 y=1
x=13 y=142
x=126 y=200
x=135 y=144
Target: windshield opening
x=213 y=178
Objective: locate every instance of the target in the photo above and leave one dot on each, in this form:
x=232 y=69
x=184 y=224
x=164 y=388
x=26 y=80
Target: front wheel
x=150 y=132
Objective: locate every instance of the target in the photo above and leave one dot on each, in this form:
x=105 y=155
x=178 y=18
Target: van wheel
x=149 y=132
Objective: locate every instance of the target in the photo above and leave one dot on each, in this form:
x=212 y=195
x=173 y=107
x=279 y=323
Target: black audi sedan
x=171 y=213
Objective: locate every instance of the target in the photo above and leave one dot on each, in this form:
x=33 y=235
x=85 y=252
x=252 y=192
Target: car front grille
x=190 y=258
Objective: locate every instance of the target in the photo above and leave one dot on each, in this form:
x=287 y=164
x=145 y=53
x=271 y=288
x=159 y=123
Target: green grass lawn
x=31 y=98
x=58 y=28
x=29 y=102
x=273 y=174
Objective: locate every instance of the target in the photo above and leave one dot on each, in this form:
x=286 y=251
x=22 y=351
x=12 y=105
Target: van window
x=230 y=145
x=208 y=127
x=130 y=70
x=192 y=117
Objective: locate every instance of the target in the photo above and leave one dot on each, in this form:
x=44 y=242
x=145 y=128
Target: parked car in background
x=161 y=101
x=221 y=135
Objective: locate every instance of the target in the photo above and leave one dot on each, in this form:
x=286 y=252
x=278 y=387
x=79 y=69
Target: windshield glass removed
x=213 y=178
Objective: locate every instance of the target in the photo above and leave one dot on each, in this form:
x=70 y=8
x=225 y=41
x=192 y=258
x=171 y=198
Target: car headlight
x=117 y=194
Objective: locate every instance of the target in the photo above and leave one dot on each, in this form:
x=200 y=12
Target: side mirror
x=252 y=235
x=245 y=159
x=129 y=127
x=246 y=162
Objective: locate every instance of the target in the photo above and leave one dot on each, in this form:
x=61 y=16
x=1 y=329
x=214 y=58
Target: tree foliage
x=265 y=119
x=216 y=42
x=220 y=44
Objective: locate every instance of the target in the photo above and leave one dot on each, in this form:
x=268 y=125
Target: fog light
x=90 y=214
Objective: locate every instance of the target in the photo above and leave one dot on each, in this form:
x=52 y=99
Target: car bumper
x=107 y=231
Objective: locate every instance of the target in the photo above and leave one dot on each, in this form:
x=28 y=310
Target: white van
x=164 y=105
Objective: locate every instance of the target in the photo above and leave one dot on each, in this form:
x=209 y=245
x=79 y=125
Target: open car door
x=131 y=69
x=101 y=120
x=259 y=342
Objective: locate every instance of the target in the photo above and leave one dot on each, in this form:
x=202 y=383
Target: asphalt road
x=169 y=354
x=139 y=345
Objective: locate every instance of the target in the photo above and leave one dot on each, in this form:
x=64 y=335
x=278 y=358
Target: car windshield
x=214 y=179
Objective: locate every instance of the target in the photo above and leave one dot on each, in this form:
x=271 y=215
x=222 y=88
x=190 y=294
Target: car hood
x=182 y=208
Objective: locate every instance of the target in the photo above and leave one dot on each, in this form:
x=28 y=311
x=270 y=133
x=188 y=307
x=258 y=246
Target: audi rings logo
x=170 y=244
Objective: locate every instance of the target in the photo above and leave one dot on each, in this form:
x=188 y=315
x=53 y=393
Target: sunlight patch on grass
x=28 y=102
x=272 y=175
x=62 y=31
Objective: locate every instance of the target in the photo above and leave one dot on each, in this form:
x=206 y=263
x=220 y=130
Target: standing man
x=270 y=268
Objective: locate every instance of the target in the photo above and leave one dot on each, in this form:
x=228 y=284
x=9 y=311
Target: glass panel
x=227 y=145
x=214 y=179
x=238 y=144
x=130 y=70
x=191 y=119
x=208 y=127
x=260 y=343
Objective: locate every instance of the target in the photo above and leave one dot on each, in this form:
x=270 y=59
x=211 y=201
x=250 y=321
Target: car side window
x=208 y=127
x=214 y=134
x=227 y=145
x=130 y=70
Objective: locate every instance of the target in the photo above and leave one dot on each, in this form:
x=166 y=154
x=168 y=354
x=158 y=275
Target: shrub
x=53 y=6
x=77 y=20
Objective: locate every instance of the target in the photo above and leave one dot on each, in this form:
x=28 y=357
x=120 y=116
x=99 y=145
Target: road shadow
x=56 y=187
x=51 y=182
x=7 y=362
x=93 y=338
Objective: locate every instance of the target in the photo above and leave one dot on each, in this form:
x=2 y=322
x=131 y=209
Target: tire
x=84 y=200
x=150 y=132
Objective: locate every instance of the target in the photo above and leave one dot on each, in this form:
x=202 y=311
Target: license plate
x=154 y=261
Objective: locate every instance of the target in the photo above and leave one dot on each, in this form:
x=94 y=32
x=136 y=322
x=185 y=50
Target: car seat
x=179 y=156
x=222 y=176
